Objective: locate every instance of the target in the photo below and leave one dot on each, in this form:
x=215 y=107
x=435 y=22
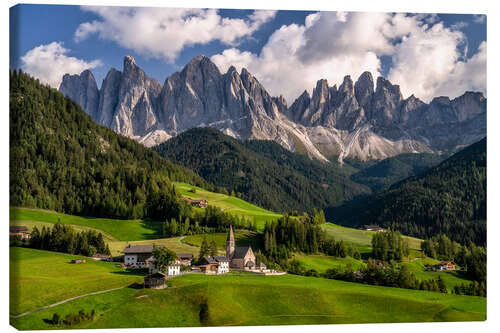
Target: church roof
x=241 y=252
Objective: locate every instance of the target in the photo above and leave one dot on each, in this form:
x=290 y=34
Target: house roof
x=241 y=252
x=221 y=259
x=185 y=256
x=208 y=260
x=18 y=228
x=140 y=248
x=371 y=226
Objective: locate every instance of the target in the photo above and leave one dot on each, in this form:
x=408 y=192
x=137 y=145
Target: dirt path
x=64 y=301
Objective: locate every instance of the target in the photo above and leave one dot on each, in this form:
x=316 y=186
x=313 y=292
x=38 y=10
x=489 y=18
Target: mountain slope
x=356 y=120
x=382 y=174
x=449 y=198
x=281 y=181
x=61 y=160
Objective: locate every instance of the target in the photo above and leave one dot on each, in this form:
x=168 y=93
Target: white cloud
x=50 y=62
x=479 y=18
x=426 y=56
x=165 y=32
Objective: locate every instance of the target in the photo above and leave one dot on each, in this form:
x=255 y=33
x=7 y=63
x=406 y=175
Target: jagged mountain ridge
x=354 y=120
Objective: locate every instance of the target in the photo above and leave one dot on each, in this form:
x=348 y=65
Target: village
x=236 y=259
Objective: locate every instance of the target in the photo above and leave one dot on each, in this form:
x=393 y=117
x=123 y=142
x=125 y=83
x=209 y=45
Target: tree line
x=471 y=258
x=390 y=245
x=63 y=238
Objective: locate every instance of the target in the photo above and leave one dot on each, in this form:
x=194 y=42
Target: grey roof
x=262 y=265
x=208 y=260
x=185 y=255
x=221 y=258
x=18 y=228
x=240 y=252
x=139 y=249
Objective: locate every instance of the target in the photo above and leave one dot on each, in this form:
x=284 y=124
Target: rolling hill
x=449 y=198
x=261 y=172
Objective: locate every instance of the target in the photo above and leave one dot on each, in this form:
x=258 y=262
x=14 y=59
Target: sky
x=428 y=55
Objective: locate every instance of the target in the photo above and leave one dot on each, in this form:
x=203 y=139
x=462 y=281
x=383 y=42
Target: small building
x=185 y=258
x=446 y=266
x=376 y=228
x=102 y=257
x=171 y=270
x=197 y=203
x=78 y=261
x=20 y=231
x=261 y=267
x=138 y=255
x=155 y=281
x=214 y=265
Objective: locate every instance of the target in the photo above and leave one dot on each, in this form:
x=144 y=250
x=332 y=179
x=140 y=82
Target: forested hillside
x=61 y=160
x=382 y=174
x=261 y=172
x=447 y=199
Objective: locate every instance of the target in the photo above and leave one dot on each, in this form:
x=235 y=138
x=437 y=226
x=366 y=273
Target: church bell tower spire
x=230 y=243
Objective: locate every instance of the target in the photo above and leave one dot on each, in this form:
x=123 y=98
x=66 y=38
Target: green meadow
x=321 y=262
x=241 y=237
x=39 y=278
x=230 y=204
x=260 y=300
x=124 y=230
x=362 y=238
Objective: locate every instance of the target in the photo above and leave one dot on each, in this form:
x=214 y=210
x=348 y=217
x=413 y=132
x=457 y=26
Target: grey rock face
x=83 y=90
x=355 y=120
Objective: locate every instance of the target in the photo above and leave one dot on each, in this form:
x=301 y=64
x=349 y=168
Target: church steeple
x=230 y=243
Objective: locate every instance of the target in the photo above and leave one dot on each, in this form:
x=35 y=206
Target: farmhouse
x=374 y=228
x=196 y=203
x=185 y=259
x=19 y=231
x=138 y=255
x=446 y=266
x=214 y=265
x=172 y=270
x=240 y=257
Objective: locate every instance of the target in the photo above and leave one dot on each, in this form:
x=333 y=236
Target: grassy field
x=321 y=263
x=175 y=244
x=259 y=300
x=241 y=237
x=123 y=230
x=39 y=278
x=230 y=204
x=360 y=237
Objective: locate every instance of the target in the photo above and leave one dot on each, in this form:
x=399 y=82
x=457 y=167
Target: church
x=239 y=257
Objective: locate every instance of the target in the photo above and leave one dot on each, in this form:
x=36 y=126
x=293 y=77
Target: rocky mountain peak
x=363 y=89
x=82 y=88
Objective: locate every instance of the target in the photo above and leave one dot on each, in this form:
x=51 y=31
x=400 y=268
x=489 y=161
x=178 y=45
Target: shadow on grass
x=154 y=226
x=132 y=271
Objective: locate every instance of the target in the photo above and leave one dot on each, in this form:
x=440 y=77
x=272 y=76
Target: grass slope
x=39 y=278
x=321 y=263
x=230 y=204
x=124 y=230
x=273 y=300
x=242 y=238
x=175 y=244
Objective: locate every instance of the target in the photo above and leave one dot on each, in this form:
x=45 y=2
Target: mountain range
x=357 y=120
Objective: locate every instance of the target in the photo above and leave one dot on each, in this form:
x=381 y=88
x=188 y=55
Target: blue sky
x=286 y=50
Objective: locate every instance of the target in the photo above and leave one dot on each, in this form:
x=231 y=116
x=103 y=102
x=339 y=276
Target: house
x=171 y=270
x=376 y=228
x=214 y=265
x=445 y=266
x=185 y=258
x=102 y=257
x=155 y=281
x=262 y=267
x=239 y=257
x=197 y=203
x=77 y=261
x=19 y=231
x=138 y=255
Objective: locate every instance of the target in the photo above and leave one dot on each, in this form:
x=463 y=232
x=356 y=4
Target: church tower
x=230 y=243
